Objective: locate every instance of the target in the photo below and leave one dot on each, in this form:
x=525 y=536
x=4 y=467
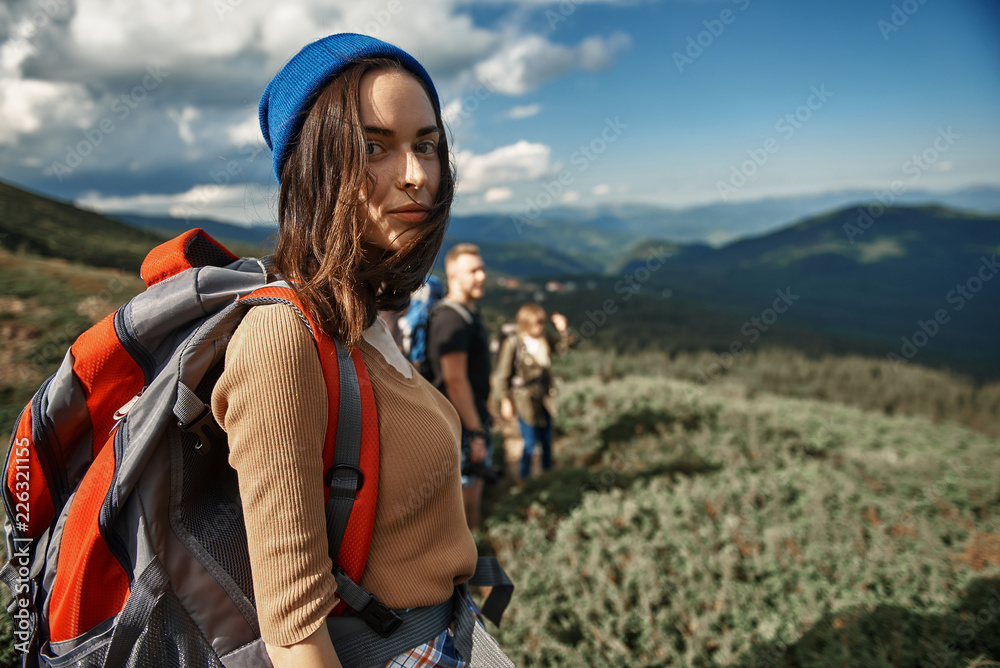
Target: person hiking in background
x=522 y=382
x=412 y=324
x=360 y=152
x=458 y=354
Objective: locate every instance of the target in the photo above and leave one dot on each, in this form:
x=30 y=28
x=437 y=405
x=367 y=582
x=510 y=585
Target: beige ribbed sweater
x=271 y=400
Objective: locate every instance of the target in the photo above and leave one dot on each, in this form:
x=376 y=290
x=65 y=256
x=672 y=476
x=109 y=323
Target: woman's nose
x=413 y=173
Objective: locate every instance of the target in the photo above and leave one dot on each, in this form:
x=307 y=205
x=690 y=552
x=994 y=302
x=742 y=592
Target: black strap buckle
x=360 y=476
x=207 y=430
x=380 y=617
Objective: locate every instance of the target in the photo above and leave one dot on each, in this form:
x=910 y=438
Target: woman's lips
x=414 y=216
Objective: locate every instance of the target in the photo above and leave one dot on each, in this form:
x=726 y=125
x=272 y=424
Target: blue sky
x=585 y=103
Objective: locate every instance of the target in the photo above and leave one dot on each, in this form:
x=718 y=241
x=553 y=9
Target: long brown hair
x=341 y=280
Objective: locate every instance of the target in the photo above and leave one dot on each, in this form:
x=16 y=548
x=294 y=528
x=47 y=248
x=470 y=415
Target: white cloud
x=717 y=238
x=64 y=76
x=183 y=120
x=240 y=204
x=597 y=54
x=29 y=105
x=569 y=197
x=14 y=52
x=247 y=132
x=525 y=62
x=498 y=195
x=521 y=161
x=451 y=112
x=526 y=111
x=601 y=189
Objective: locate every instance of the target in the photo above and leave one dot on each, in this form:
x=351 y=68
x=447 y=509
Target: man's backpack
x=125 y=537
x=413 y=324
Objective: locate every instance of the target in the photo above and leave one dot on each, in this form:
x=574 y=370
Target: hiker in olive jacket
x=522 y=381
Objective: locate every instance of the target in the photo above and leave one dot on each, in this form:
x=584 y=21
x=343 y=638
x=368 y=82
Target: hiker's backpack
x=413 y=323
x=125 y=537
x=508 y=330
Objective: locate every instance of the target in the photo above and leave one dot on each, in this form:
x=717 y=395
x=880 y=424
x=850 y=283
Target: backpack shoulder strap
x=457 y=308
x=350 y=451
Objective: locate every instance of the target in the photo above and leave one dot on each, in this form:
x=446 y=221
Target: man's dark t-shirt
x=448 y=332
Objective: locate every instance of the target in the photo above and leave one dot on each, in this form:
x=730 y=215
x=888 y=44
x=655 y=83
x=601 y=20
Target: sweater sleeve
x=271 y=401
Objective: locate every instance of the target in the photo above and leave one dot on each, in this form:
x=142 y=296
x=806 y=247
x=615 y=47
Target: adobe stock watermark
x=419 y=495
x=971 y=626
x=771 y=654
x=787 y=125
x=36 y=19
x=630 y=284
x=220 y=179
x=899 y=17
x=752 y=330
x=381 y=18
x=581 y=159
x=223 y=7
x=914 y=168
x=562 y=12
x=56 y=342
x=714 y=28
x=927 y=329
x=122 y=107
x=470 y=103
x=621 y=462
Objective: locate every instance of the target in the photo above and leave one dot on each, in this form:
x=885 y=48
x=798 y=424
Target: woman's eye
x=372 y=148
x=426 y=147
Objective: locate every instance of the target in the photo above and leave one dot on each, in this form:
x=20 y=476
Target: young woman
x=523 y=380
x=366 y=186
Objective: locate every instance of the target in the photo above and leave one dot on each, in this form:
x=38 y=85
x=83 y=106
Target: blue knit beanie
x=287 y=98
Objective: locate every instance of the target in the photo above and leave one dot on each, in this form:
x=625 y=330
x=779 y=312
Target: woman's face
x=402 y=142
x=537 y=327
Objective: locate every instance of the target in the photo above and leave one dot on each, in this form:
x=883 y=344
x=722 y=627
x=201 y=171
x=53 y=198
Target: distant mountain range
x=718 y=224
x=917 y=282
x=881 y=284
x=596 y=238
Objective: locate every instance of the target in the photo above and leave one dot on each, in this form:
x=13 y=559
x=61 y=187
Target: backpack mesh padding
x=203 y=253
x=210 y=516
x=169 y=639
x=210 y=507
x=172 y=639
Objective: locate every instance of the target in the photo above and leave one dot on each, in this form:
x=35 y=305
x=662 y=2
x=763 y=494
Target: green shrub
x=816 y=535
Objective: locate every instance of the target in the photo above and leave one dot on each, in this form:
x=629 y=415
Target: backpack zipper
x=130 y=342
x=109 y=509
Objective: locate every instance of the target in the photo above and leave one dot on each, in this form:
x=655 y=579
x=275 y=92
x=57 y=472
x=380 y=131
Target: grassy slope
x=44 y=305
x=45 y=227
x=692 y=526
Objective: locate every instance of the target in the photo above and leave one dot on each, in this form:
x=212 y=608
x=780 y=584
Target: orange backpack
x=125 y=535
